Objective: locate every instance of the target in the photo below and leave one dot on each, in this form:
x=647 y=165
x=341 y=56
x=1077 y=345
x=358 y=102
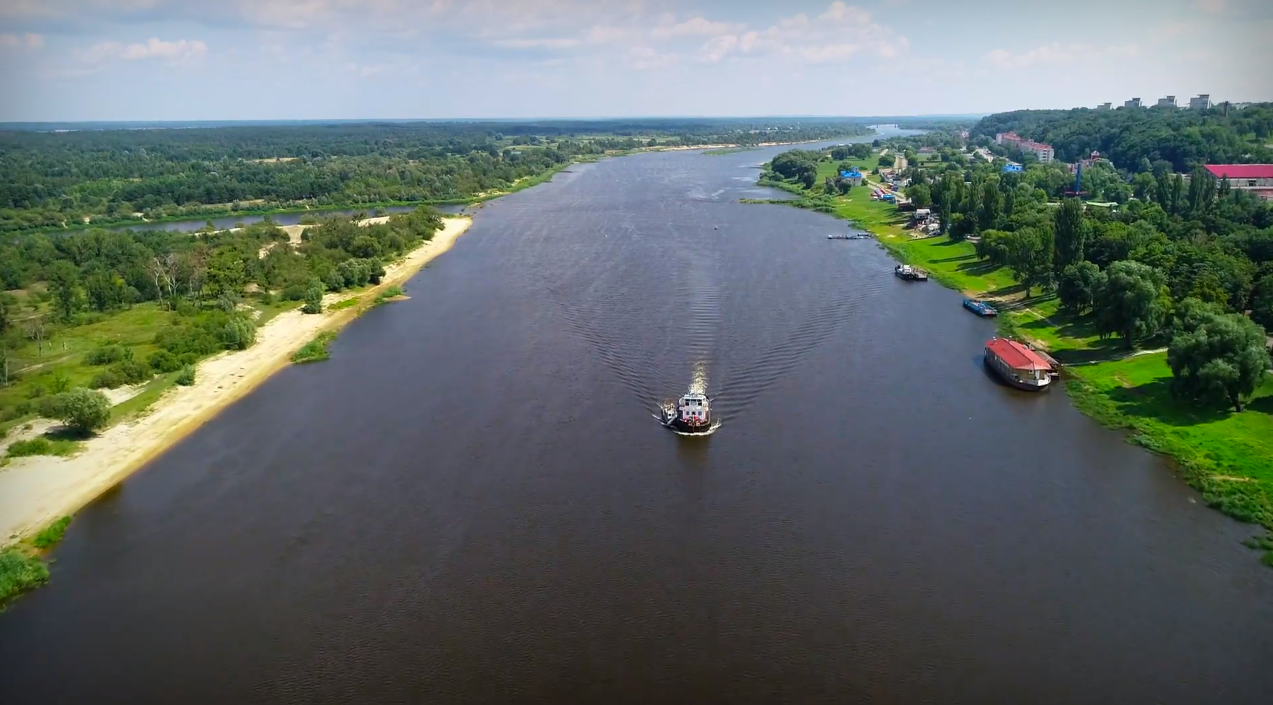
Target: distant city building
x=1133 y=103
x=1011 y=168
x=1043 y=152
x=853 y=176
x=963 y=134
x=1087 y=163
x=1255 y=178
x=1202 y=102
x=1168 y=102
x=1104 y=106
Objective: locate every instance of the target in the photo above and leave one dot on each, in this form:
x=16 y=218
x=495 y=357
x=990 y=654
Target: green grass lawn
x=1226 y=455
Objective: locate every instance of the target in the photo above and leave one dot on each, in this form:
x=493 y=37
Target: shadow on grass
x=961 y=258
x=1264 y=405
x=1101 y=351
x=1153 y=400
x=978 y=269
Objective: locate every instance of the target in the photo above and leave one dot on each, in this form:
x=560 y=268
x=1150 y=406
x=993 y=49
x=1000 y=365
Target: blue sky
x=311 y=59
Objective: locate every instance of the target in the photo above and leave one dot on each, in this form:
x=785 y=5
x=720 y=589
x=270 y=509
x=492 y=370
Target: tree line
x=57 y=180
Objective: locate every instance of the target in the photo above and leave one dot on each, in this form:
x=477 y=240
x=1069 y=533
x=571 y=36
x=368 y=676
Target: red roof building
x=1241 y=171
x=1255 y=178
x=1016 y=355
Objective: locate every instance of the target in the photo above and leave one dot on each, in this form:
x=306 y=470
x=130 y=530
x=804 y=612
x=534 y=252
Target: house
x=1255 y=178
x=1043 y=152
x=854 y=177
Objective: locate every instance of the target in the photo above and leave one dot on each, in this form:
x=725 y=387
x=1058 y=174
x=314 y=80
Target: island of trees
x=1153 y=280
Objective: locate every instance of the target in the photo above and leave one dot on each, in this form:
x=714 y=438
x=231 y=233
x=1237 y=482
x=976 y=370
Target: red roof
x=1241 y=171
x=1016 y=355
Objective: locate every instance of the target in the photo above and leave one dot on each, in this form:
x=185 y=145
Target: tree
x=1029 y=256
x=1222 y=359
x=83 y=410
x=1144 y=186
x=37 y=330
x=1133 y=302
x=1071 y=233
x=103 y=290
x=64 y=285
x=1079 y=285
x=1262 y=308
x=920 y=195
x=991 y=205
x=313 y=300
x=225 y=273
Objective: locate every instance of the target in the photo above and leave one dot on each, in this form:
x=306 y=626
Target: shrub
x=35 y=446
x=108 y=379
x=186 y=378
x=315 y=350
x=83 y=410
x=239 y=333
x=162 y=361
x=19 y=573
x=294 y=292
x=313 y=301
x=52 y=534
x=132 y=371
x=187 y=359
x=103 y=355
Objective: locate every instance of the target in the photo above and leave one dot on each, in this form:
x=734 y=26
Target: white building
x=1043 y=152
x=1168 y=102
x=1133 y=103
x=1202 y=102
x=1103 y=106
x=1253 y=178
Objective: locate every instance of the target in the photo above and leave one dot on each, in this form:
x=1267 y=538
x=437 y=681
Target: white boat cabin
x=694 y=409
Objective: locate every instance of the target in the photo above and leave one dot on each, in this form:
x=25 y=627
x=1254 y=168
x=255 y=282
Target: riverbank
x=36 y=491
x=294 y=208
x=1226 y=456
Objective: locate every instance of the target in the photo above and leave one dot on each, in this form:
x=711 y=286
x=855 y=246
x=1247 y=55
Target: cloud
x=838 y=34
x=1056 y=54
x=178 y=52
x=698 y=27
x=23 y=42
x=1212 y=5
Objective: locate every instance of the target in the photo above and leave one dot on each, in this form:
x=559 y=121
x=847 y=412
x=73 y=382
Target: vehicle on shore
x=909 y=273
x=1018 y=365
x=691 y=415
x=981 y=308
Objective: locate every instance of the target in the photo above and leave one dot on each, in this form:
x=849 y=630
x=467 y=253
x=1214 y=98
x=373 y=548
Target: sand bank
x=38 y=490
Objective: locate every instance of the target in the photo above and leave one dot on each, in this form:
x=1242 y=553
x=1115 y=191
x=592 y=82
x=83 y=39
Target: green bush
x=132 y=371
x=19 y=573
x=52 y=534
x=162 y=361
x=35 y=446
x=187 y=359
x=239 y=333
x=313 y=301
x=107 y=379
x=186 y=378
x=315 y=350
x=83 y=410
x=294 y=292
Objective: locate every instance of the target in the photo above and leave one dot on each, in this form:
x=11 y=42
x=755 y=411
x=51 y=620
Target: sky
x=77 y=60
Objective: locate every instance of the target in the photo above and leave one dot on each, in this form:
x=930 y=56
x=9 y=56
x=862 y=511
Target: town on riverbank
x=1148 y=274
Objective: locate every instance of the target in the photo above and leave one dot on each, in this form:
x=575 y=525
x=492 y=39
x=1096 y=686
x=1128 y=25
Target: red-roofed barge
x=1018 y=365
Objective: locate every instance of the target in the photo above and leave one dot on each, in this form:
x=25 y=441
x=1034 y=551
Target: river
x=470 y=502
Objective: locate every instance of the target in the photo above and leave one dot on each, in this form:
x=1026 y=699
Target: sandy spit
x=38 y=490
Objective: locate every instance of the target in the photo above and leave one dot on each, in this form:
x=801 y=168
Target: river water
x=470 y=502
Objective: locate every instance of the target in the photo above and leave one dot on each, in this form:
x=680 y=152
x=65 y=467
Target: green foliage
x=1218 y=358
x=42 y=445
x=1028 y=253
x=1079 y=286
x=187 y=376
x=1071 y=233
x=313 y=301
x=20 y=572
x=163 y=361
x=239 y=333
x=52 y=534
x=1132 y=304
x=315 y=350
x=82 y=410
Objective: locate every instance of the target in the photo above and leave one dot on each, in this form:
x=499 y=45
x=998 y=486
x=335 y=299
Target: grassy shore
x=1226 y=456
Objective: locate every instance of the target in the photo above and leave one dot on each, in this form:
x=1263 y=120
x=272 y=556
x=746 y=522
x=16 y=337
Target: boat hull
x=686 y=429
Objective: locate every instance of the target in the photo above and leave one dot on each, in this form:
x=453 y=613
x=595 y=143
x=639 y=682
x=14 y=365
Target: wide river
x=471 y=503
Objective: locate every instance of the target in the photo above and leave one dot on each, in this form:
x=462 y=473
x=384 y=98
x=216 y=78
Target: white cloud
x=21 y=42
x=697 y=27
x=1056 y=54
x=546 y=43
x=1212 y=5
x=178 y=52
x=838 y=34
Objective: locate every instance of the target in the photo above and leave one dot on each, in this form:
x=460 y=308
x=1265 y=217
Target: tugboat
x=692 y=415
x=909 y=273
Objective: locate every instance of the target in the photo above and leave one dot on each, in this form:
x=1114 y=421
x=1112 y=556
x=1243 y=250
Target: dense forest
x=51 y=180
x=1138 y=139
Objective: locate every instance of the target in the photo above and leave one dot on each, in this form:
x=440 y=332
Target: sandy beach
x=36 y=491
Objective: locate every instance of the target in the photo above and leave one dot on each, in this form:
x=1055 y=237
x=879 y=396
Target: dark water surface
x=470 y=503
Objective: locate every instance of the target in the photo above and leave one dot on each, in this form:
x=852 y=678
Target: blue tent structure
x=1012 y=169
